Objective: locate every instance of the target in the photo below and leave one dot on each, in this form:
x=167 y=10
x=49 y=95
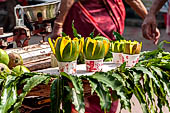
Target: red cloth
x=23 y=2
x=3 y=0
x=99 y=12
x=92 y=105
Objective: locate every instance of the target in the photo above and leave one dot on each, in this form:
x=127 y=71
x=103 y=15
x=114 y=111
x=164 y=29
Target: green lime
x=4 y=58
x=20 y=69
x=4 y=68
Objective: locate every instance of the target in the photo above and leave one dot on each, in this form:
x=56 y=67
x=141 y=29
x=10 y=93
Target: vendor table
x=81 y=69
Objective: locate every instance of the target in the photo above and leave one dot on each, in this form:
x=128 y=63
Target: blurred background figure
x=149 y=25
x=7 y=17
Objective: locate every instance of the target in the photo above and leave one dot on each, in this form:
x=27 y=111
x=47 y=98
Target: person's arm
x=156 y=6
x=149 y=26
x=138 y=6
x=58 y=23
x=64 y=8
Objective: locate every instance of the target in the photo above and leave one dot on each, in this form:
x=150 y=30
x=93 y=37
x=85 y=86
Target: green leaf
x=158 y=72
x=66 y=101
x=146 y=71
x=108 y=60
x=115 y=85
x=56 y=95
x=93 y=85
x=9 y=94
x=1 y=81
x=118 y=77
x=140 y=96
x=64 y=34
x=104 y=94
x=118 y=36
x=78 y=101
x=161 y=44
x=75 y=31
x=92 y=35
x=149 y=90
x=31 y=83
x=77 y=92
x=150 y=54
x=137 y=77
x=123 y=67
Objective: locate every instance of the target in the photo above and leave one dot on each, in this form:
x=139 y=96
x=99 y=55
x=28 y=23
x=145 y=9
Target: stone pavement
x=135 y=33
x=136 y=108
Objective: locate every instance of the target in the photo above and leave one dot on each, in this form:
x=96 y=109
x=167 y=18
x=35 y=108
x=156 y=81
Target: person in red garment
x=98 y=16
x=149 y=24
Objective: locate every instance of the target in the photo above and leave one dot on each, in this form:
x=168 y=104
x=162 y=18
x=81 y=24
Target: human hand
x=149 y=29
x=57 y=32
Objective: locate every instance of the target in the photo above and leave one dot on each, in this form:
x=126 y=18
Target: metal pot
x=47 y=11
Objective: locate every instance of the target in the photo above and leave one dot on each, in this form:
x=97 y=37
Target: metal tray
x=48 y=10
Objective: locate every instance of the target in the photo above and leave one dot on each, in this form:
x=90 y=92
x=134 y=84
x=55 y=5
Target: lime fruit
x=4 y=58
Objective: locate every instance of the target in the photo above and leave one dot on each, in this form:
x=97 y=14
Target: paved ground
x=134 y=33
x=131 y=33
x=136 y=108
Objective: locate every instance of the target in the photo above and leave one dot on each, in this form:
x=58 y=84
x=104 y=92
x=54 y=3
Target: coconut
x=14 y=60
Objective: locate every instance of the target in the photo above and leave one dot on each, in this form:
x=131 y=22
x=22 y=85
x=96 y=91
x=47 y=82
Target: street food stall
x=129 y=73
x=56 y=75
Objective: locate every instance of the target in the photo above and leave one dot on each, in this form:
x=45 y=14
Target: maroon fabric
x=99 y=12
x=2 y=0
x=92 y=105
x=93 y=21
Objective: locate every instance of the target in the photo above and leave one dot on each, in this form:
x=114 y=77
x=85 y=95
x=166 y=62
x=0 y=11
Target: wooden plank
x=36 y=56
x=39 y=65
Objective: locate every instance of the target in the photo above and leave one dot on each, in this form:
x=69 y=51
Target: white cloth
x=81 y=69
